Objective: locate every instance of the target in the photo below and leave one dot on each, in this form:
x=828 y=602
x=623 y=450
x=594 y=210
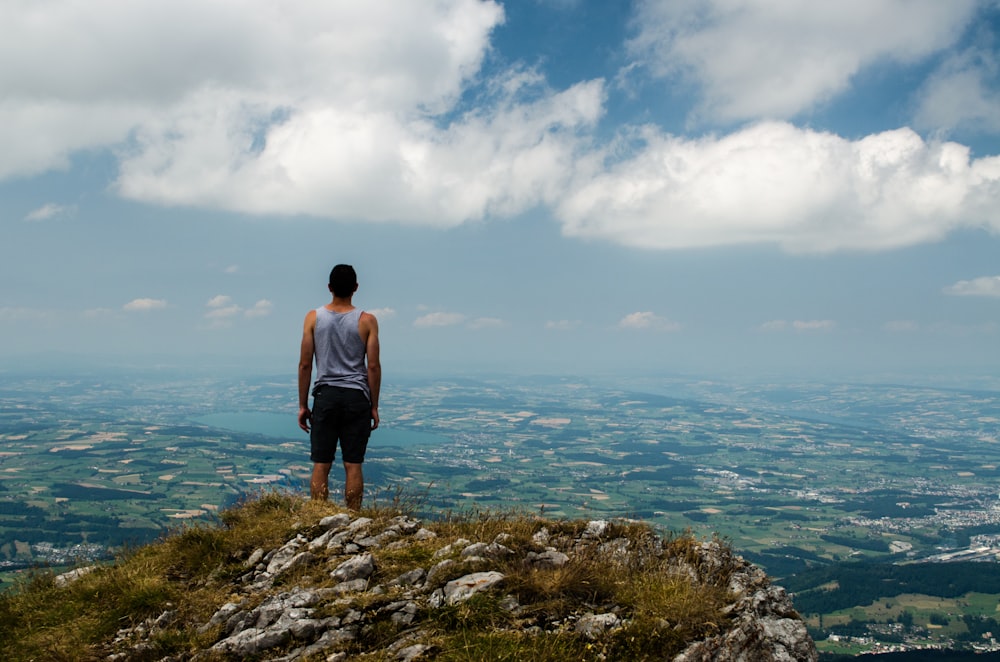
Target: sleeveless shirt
x=340 y=351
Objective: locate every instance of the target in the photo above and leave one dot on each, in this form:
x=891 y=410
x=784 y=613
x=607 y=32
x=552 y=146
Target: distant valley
x=802 y=478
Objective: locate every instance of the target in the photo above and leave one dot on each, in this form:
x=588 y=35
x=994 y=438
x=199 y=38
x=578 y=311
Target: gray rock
x=284 y=555
x=67 y=578
x=412 y=652
x=351 y=586
x=595 y=529
x=463 y=588
x=547 y=560
x=254 y=559
x=335 y=521
x=448 y=550
x=358 y=567
x=251 y=641
x=404 y=616
x=475 y=549
x=411 y=578
x=592 y=626
x=300 y=560
x=437 y=569
x=223 y=614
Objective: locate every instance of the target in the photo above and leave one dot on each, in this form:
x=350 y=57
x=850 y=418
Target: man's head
x=343 y=281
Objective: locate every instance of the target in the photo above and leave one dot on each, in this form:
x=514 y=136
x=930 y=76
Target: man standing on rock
x=343 y=341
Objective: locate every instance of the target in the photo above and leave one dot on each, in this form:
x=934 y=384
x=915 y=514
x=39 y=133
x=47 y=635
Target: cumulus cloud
x=984 y=286
x=964 y=93
x=222 y=310
x=261 y=308
x=813 y=325
x=346 y=162
x=383 y=313
x=805 y=190
x=647 y=320
x=144 y=64
x=48 y=211
x=290 y=110
x=438 y=319
x=753 y=59
x=144 y=304
x=263 y=108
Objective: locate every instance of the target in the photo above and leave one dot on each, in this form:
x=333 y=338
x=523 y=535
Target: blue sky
x=543 y=186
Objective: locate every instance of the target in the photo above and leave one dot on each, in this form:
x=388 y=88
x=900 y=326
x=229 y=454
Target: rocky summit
x=337 y=590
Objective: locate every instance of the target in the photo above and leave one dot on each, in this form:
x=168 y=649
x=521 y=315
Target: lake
x=284 y=426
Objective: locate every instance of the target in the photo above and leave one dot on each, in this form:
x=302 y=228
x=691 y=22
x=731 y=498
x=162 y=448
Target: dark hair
x=343 y=280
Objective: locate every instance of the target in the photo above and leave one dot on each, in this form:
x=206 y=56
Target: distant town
x=795 y=476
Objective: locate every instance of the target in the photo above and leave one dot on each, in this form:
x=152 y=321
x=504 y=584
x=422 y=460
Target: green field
x=797 y=476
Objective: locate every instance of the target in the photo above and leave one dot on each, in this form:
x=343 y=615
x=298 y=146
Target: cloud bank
x=393 y=112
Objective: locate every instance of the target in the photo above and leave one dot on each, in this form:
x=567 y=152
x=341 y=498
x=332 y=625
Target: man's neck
x=340 y=304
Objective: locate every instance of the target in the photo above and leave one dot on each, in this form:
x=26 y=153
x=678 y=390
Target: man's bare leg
x=319 y=486
x=354 y=485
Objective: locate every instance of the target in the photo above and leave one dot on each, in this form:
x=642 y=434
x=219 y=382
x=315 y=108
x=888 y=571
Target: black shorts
x=342 y=414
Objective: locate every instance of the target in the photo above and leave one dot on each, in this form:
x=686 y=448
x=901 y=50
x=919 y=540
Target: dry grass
x=191 y=571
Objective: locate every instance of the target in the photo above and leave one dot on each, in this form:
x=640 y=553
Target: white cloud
x=774 y=325
x=647 y=320
x=804 y=190
x=221 y=310
x=232 y=269
x=963 y=93
x=346 y=162
x=813 y=325
x=562 y=325
x=337 y=110
x=757 y=59
x=438 y=319
x=144 y=304
x=262 y=308
x=984 y=286
x=382 y=313
x=87 y=75
x=48 y=211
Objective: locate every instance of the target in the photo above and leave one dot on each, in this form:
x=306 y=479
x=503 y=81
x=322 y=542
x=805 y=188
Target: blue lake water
x=284 y=426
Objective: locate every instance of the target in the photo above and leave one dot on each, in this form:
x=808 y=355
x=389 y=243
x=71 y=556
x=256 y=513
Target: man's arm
x=369 y=330
x=305 y=369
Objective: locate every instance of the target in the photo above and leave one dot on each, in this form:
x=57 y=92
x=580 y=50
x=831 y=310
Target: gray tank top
x=340 y=352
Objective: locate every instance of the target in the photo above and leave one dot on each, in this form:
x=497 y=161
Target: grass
x=192 y=571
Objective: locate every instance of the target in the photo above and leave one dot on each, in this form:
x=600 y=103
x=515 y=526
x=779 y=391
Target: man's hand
x=305 y=417
x=374 y=417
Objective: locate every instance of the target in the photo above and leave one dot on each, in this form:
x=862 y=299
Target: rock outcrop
x=314 y=596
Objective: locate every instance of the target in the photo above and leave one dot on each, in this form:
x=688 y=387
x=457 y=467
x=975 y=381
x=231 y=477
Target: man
x=343 y=340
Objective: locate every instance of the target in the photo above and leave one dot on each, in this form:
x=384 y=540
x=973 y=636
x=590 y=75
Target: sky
x=721 y=187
